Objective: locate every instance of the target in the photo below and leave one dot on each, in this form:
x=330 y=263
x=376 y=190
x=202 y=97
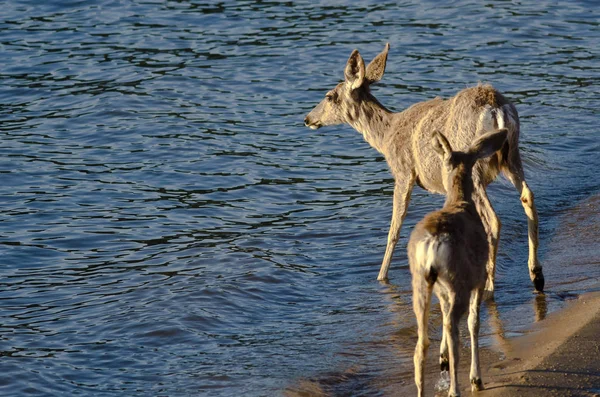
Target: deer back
x=462 y=118
x=465 y=251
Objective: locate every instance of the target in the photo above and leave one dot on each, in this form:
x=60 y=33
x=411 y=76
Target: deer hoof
x=488 y=295
x=476 y=384
x=444 y=365
x=383 y=278
x=538 y=280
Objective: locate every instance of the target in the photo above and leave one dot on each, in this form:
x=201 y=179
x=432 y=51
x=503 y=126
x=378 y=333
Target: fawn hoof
x=444 y=364
x=476 y=384
x=538 y=280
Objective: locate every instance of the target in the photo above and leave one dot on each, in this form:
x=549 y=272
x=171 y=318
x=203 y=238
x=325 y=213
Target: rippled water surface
x=169 y=227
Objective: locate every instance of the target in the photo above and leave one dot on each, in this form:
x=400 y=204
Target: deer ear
x=376 y=68
x=355 y=70
x=441 y=145
x=489 y=144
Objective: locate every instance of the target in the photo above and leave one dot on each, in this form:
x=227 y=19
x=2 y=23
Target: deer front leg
x=402 y=192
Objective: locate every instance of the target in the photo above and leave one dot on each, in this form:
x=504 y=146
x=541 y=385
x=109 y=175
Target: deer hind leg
x=492 y=226
x=421 y=303
x=451 y=321
x=444 y=359
x=402 y=192
x=513 y=170
x=474 y=308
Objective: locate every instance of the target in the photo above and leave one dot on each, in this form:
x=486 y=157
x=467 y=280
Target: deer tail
x=434 y=255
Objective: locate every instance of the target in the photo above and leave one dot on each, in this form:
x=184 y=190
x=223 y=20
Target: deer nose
x=306 y=121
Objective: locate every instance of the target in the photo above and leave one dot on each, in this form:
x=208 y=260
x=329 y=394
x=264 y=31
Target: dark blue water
x=169 y=227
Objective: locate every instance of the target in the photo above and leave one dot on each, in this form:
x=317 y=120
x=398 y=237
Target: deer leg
x=421 y=303
x=474 y=307
x=451 y=321
x=514 y=172
x=402 y=192
x=492 y=226
x=444 y=360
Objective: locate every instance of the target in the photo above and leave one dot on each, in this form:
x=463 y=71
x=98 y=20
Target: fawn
x=447 y=252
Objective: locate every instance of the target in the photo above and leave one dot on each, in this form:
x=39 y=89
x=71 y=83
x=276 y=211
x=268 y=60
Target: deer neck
x=460 y=189
x=371 y=119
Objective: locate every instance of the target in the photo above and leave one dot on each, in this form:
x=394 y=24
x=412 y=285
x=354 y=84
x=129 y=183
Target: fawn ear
x=355 y=70
x=441 y=145
x=376 y=67
x=489 y=144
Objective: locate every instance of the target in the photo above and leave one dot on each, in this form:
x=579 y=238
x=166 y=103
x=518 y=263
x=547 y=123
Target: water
x=169 y=227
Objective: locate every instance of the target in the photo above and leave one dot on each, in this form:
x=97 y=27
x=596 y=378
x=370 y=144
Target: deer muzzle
x=311 y=124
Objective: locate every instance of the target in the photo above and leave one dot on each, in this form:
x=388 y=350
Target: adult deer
x=403 y=139
x=447 y=252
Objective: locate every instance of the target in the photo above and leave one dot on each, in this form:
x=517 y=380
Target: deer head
x=457 y=166
x=341 y=103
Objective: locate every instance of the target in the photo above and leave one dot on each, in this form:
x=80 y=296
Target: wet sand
x=562 y=356
x=561 y=359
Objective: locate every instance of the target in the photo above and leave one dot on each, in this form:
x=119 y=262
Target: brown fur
x=486 y=95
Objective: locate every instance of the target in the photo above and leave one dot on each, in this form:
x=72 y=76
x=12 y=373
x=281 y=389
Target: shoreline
x=561 y=354
x=560 y=358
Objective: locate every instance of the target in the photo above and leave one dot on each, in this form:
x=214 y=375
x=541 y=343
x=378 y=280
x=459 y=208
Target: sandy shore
x=561 y=359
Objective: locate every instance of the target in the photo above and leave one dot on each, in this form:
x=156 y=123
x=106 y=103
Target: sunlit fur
x=404 y=140
x=447 y=253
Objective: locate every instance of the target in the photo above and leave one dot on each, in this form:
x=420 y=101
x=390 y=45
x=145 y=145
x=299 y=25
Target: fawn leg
x=474 y=308
x=421 y=303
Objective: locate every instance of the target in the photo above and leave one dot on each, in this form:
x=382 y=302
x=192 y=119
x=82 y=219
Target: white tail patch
x=432 y=253
x=487 y=119
x=500 y=118
x=492 y=119
x=507 y=118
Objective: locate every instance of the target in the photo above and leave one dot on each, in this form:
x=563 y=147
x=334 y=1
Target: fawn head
x=457 y=166
x=341 y=103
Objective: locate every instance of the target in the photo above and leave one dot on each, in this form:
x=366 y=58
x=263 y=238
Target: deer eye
x=331 y=96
